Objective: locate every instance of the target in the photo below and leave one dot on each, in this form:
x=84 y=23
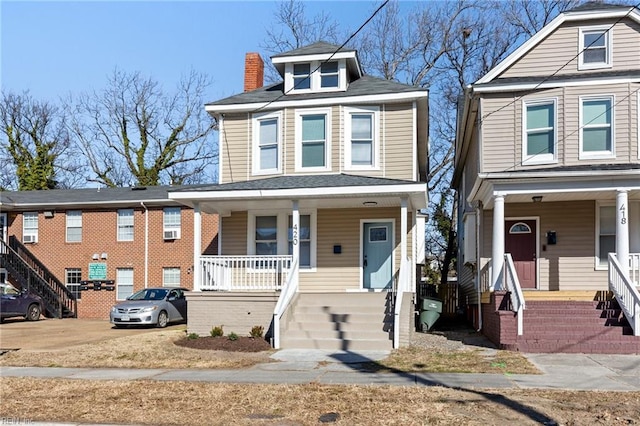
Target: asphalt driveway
x=53 y=334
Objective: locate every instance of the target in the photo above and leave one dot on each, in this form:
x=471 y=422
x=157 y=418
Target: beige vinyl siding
x=235 y=150
x=341 y=272
x=290 y=141
x=234 y=234
x=634 y=130
x=498 y=132
x=397 y=124
x=569 y=264
x=552 y=53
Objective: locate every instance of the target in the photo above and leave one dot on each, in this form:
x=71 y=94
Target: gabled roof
x=359 y=90
x=318 y=48
x=588 y=11
x=86 y=197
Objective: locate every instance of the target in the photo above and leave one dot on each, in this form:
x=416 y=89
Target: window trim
x=299 y=114
x=316 y=77
x=588 y=155
x=171 y=226
x=608 y=42
x=30 y=231
x=72 y=214
x=255 y=139
x=539 y=158
x=282 y=236
x=375 y=111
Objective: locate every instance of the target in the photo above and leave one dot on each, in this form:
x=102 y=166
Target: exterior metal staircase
x=30 y=274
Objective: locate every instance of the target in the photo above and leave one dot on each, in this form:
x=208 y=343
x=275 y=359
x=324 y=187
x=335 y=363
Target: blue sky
x=55 y=48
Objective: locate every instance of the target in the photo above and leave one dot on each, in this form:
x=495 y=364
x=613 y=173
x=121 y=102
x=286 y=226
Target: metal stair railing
x=59 y=301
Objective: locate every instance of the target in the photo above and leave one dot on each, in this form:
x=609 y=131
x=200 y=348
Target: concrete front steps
x=340 y=321
x=576 y=327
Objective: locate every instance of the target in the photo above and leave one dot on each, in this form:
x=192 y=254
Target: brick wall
x=499 y=324
x=99 y=235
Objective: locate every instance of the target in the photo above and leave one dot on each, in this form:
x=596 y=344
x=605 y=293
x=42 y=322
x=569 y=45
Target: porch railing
x=634 y=268
x=515 y=290
x=244 y=273
x=288 y=291
x=626 y=293
x=400 y=287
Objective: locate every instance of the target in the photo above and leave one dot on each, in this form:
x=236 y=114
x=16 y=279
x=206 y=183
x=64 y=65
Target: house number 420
x=623 y=216
x=295 y=235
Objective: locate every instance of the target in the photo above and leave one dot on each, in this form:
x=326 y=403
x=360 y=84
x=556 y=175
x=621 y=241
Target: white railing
x=401 y=286
x=513 y=286
x=244 y=273
x=634 y=268
x=625 y=292
x=288 y=291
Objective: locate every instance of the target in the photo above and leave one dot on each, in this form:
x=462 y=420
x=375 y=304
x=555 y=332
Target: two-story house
x=322 y=179
x=82 y=250
x=547 y=171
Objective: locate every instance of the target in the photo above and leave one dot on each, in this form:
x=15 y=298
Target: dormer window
x=315 y=76
x=595 y=48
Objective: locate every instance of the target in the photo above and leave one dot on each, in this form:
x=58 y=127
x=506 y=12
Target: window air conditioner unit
x=171 y=235
x=28 y=239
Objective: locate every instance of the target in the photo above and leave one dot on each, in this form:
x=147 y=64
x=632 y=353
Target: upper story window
x=596 y=127
x=266 y=143
x=171 y=223
x=74 y=226
x=125 y=225
x=312 y=139
x=539 y=130
x=315 y=76
x=30 y=227
x=362 y=138
x=595 y=48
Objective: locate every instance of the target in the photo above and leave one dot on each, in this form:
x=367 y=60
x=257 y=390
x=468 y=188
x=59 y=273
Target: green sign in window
x=97 y=271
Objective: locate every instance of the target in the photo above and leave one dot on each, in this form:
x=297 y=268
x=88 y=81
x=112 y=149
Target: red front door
x=520 y=241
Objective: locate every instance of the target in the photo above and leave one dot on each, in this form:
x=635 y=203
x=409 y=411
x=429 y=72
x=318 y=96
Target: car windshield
x=149 y=294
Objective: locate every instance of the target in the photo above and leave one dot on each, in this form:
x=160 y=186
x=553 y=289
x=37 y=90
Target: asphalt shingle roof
x=318 y=48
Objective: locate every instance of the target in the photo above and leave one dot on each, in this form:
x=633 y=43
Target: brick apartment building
x=124 y=238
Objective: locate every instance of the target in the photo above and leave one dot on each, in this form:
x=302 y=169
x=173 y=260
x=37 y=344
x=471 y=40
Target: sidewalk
x=560 y=371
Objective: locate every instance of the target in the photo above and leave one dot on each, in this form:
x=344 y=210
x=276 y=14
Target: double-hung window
x=266 y=237
x=595 y=48
x=124 y=283
x=312 y=139
x=171 y=223
x=74 y=226
x=314 y=76
x=539 y=132
x=596 y=127
x=361 y=138
x=329 y=75
x=301 y=76
x=125 y=225
x=30 y=227
x=266 y=154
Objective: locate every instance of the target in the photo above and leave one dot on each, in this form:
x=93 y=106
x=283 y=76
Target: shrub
x=232 y=336
x=257 y=331
x=216 y=331
x=192 y=336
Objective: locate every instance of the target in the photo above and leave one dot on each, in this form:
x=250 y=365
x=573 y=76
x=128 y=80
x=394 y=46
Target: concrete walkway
x=560 y=371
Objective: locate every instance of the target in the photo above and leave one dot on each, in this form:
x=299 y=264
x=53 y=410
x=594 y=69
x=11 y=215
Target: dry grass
x=148 y=350
x=183 y=403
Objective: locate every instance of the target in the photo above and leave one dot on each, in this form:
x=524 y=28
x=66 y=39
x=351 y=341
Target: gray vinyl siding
x=235 y=149
x=467 y=291
x=552 y=53
x=570 y=264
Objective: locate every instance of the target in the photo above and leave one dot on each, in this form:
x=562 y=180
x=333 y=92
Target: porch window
x=312 y=139
x=125 y=225
x=73 y=276
x=124 y=283
x=304 y=239
x=301 y=76
x=30 y=227
x=74 y=226
x=596 y=127
x=266 y=235
x=266 y=143
x=361 y=129
x=595 y=48
x=540 y=135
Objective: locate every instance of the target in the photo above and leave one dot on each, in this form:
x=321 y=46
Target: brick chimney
x=253 y=72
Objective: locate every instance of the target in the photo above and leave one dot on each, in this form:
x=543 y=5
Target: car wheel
x=163 y=319
x=33 y=313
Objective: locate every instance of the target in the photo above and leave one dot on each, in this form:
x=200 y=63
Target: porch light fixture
x=537 y=198
x=370 y=203
x=103 y=256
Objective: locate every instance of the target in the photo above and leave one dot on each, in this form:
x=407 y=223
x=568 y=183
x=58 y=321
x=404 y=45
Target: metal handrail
x=625 y=292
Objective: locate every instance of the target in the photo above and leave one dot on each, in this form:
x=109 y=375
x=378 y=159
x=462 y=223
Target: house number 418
x=623 y=216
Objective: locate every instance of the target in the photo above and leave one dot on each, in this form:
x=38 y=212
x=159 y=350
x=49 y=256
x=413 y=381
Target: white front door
x=377 y=250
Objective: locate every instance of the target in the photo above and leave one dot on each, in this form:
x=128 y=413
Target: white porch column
x=497 y=242
x=403 y=235
x=197 y=244
x=622 y=230
x=295 y=238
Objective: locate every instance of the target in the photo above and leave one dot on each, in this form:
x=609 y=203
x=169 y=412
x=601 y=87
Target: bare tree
x=133 y=132
x=529 y=17
x=36 y=153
